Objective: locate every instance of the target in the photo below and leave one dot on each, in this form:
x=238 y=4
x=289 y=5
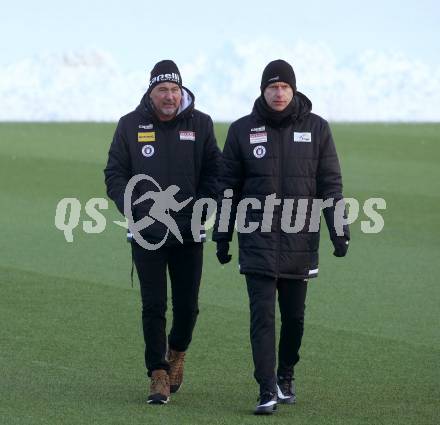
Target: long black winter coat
x=180 y=152
x=295 y=160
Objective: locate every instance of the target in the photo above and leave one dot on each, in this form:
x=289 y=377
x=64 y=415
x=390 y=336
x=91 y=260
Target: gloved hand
x=223 y=255
x=340 y=244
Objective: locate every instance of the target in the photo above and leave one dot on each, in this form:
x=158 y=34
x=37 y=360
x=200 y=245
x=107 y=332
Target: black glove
x=341 y=246
x=223 y=252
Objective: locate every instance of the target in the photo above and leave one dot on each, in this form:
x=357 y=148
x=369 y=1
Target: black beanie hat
x=165 y=71
x=278 y=71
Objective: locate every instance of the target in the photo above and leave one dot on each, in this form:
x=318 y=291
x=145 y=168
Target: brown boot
x=176 y=360
x=159 y=387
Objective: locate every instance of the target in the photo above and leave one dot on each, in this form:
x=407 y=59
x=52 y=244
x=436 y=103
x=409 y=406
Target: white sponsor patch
x=258 y=137
x=148 y=150
x=263 y=128
x=259 y=151
x=187 y=135
x=313 y=271
x=302 y=137
x=146 y=126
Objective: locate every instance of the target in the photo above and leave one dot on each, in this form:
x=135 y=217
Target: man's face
x=166 y=99
x=278 y=95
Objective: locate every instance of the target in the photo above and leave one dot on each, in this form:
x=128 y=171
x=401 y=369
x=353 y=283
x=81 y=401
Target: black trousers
x=184 y=263
x=291 y=299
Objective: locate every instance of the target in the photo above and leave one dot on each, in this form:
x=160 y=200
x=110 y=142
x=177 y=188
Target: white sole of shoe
x=268 y=404
x=266 y=408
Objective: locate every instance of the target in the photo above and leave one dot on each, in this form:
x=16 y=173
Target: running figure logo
x=164 y=202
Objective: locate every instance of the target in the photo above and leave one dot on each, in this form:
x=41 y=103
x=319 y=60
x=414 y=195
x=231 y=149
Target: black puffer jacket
x=294 y=159
x=180 y=152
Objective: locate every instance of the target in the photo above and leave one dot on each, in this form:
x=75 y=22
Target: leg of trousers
x=151 y=267
x=261 y=291
x=185 y=267
x=291 y=299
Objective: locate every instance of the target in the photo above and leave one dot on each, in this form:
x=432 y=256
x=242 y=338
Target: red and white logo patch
x=187 y=135
x=258 y=137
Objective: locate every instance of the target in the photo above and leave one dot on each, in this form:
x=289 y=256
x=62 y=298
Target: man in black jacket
x=279 y=161
x=169 y=149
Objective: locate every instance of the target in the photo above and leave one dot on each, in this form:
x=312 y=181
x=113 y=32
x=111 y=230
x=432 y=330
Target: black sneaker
x=286 y=390
x=267 y=404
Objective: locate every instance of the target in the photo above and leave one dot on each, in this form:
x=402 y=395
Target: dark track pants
x=184 y=264
x=291 y=299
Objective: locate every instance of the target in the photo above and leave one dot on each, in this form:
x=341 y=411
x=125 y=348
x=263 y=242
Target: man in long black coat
x=170 y=146
x=279 y=161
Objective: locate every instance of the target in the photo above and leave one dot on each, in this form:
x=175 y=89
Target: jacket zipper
x=280 y=180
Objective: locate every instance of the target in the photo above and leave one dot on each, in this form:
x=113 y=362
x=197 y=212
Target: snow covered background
x=91 y=85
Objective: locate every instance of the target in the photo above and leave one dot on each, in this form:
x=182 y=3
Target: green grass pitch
x=71 y=349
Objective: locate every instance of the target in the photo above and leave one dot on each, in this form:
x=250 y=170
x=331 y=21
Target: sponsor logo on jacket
x=146 y=136
x=263 y=128
x=187 y=135
x=258 y=137
x=146 y=126
x=302 y=137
